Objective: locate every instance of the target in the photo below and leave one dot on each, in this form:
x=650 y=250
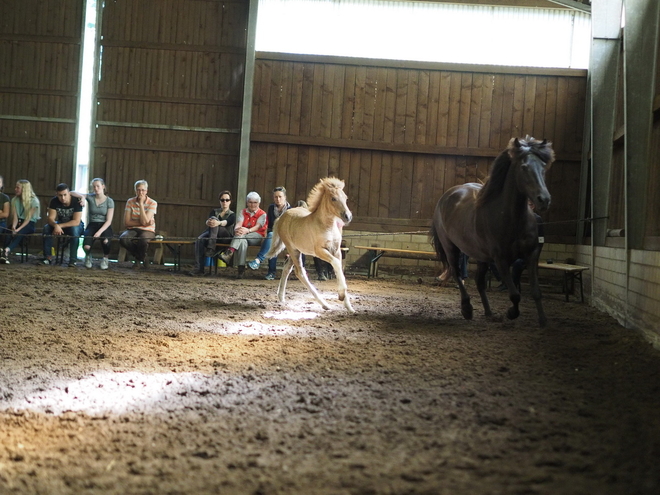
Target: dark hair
x=61 y=187
x=280 y=189
x=2 y=187
x=223 y=193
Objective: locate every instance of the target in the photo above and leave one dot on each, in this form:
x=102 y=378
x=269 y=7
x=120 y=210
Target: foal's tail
x=440 y=251
x=276 y=247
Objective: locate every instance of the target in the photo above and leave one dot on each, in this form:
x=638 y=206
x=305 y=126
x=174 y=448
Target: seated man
x=64 y=218
x=140 y=224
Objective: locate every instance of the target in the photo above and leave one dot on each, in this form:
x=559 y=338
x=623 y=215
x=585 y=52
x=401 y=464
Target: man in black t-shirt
x=64 y=218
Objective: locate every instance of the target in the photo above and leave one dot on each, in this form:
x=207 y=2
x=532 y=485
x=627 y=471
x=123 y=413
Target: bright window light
x=425 y=31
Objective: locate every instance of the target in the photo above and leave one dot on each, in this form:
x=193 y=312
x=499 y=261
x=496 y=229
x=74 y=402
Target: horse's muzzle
x=542 y=203
x=348 y=216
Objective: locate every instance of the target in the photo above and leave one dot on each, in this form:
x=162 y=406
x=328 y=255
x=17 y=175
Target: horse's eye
x=334 y=199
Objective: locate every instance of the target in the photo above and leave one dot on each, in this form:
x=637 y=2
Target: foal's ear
x=545 y=141
x=516 y=143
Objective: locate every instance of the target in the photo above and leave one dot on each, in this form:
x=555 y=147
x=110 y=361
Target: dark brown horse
x=493 y=222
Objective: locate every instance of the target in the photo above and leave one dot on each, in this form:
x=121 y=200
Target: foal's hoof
x=512 y=313
x=466 y=311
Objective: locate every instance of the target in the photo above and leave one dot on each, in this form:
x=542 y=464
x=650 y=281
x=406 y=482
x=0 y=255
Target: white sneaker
x=88 y=261
x=104 y=264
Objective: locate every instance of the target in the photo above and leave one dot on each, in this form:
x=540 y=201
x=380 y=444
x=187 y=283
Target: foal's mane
x=495 y=182
x=317 y=192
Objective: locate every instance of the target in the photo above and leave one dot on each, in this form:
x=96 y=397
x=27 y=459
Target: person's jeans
x=105 y=237
x=265 y=247
x=73 y=232
x=27 y=230
x=207 y=240
x=136 y=242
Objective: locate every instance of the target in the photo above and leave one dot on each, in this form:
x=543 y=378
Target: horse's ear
x=516 y=143
x=545 y=141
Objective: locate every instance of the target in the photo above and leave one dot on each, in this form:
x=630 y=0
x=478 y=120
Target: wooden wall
x=169 y=104
x=40 y=50
x=400 y=134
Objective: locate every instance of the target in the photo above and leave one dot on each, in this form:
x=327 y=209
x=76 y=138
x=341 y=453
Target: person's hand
x=57 y=230
x=97 y=235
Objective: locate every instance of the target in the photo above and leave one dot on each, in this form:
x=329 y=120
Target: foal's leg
x=301 y=273
x=514 y=296
x=482 y=269
x=342 y=288
x=286 y=271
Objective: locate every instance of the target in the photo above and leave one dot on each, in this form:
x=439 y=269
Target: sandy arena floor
x=153 y=382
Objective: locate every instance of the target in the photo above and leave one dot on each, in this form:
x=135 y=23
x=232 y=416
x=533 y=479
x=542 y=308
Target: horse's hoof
x=466 y=311
x=512 y=313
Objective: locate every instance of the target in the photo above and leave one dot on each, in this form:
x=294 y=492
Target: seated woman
x=220 y=226
x=279 y=206
x=4 y=210
x=250 y=229
x=140 y=224
x=25 y=212
x=101 y=210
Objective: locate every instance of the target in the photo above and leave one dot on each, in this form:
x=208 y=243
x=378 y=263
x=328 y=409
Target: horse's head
x=329 y=196
x=532 y=158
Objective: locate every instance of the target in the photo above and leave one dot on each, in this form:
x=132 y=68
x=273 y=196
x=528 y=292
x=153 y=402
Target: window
x=426 y=31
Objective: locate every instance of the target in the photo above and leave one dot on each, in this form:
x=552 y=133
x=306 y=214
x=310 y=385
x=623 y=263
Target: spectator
x=220 y=225
x=64 y=217
x=25 y=211
x=101 y=210
x=140 y=223
x=250 y=229
x=4 y=208
x=279 y=206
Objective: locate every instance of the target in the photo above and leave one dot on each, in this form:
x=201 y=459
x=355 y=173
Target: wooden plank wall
x=40 y=49
x=400 y=134
x=169 y=104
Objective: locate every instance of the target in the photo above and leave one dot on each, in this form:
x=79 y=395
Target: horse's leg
x=453 y=256
x=482 y=269
x=514 y=296
x=342 y=288
x=286 y=271
x=301 y=273
x=533 y=270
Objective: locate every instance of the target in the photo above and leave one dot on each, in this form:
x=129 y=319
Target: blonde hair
x=27 y=194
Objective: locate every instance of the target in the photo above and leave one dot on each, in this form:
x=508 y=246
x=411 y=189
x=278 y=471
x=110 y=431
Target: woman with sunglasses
x=220 y=225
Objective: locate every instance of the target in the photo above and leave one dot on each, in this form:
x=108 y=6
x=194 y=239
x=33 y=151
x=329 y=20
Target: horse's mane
x=315 y=195
x=495 y=181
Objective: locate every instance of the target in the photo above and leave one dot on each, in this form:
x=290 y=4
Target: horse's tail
x=440 y=251
x=276 y=246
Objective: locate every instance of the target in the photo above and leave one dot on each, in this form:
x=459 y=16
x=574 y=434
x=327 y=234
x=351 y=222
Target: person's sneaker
x=88 y=261
x=196 y=273
x=3 y=260
x=227 y=256
x=241 y=272
x=72 y=264
x=254 y=264
x=322 y=277
x=48 y=261
x=269 y=276
x=104 y=264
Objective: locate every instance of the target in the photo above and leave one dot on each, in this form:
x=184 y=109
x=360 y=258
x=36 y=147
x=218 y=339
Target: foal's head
x=329 y=196
x=532 y=158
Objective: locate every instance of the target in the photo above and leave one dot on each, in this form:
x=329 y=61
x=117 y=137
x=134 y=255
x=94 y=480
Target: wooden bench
x=174 y=245
x=377 y=252
x=572 y=273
